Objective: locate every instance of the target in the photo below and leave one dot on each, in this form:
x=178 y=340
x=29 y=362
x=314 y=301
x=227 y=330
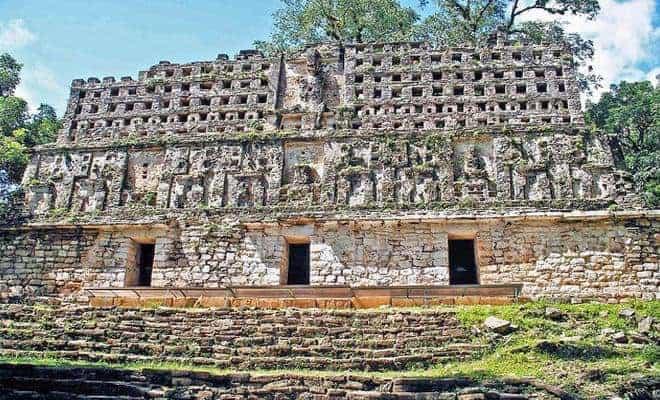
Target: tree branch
x=512 y=18
x=538 y=6
x=464 y=12
x=480 y=16
x=332 y=21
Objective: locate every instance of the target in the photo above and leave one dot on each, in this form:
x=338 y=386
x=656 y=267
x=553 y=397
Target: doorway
x=144 y=262
x=298 y=272
x=462 y=262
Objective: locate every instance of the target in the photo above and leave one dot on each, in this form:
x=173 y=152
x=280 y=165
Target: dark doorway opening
x=462 y=263
x=145 y=263
x=298 y=273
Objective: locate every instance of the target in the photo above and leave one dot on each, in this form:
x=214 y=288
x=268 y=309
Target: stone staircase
x=22 y=382
x=239 y=339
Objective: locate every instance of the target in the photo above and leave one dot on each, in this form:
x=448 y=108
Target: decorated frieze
x=347 y=172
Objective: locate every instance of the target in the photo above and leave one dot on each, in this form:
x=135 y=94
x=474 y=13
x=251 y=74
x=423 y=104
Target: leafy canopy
x=477 y=19
x=459 y=21
x=450 y=23
x=10 y=74
x=629 y=116
x=19 y=130
x=300 y=22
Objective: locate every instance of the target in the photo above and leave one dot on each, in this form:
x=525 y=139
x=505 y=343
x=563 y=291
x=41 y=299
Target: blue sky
x=60 y=40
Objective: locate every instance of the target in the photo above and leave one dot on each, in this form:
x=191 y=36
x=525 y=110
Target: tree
x=476 y=19
x=13 y=155
x=13 y=114
x=300 y=22
x=19 y=131
x=10 y=74
x=629 y=116
x=43 y=126
x=459 y=21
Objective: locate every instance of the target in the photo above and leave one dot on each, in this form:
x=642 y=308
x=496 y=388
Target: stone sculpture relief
x=350 y=172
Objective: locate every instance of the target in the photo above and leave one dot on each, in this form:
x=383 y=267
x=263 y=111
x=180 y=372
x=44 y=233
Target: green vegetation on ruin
x=572 y=353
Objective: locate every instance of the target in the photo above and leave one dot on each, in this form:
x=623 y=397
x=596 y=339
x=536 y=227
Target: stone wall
x=244 y=339
x=43 y=261
x=390 y=86
x=357 y=254
x=603 y=259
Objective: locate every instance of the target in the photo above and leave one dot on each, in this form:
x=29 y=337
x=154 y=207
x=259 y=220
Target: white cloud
x=654 y=76
x=38 y=82
x=14 y=34
x=623 y=36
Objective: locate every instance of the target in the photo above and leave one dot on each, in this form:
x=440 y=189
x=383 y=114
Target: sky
x=61 y=40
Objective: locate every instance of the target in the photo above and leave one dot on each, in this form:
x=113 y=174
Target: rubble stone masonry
x=377 y=155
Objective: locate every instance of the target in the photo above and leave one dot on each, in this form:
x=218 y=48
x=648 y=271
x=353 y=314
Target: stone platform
x=238 y=338
x=340 y=297
x=29 y=382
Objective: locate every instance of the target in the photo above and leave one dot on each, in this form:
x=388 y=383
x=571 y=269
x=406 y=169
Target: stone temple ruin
x=396 y=167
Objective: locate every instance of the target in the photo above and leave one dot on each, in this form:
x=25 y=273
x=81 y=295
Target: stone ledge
x=256 y=219
x=339 y=297
x=303 y=135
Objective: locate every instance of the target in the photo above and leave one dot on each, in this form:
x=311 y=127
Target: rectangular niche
x=462 y=262
x=296 y=268
x=139 y=265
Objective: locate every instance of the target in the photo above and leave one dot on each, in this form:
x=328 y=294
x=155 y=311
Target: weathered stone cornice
x=166 y=220
x=136 y=142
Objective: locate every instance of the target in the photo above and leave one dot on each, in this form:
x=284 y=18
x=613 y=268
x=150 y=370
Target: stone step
x=217 y=337
x=420 y=360
x=57 y=395
x=23 y=382
x=193 y=344
x=220 y=351
x=250 y=338
x=75 y=386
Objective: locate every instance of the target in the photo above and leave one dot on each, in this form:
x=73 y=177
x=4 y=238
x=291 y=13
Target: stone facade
x=376 y=155
x=600 y=259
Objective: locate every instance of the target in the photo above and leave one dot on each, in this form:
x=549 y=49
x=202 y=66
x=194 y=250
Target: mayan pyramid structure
x=386 y=165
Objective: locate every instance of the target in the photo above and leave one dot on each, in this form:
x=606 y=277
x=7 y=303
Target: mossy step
x=282 y=350
x=75 y=386
x=254 y=362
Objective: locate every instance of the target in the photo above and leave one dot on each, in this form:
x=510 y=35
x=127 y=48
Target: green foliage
x=13 y=114
x=150 y=198
x=457 y=22
x=19 y=131
x=43 y=126
x=13 y=154
x=153 y=82
x=628 y=117
x=300 y=22
x=450 y=23
x=10 y=74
